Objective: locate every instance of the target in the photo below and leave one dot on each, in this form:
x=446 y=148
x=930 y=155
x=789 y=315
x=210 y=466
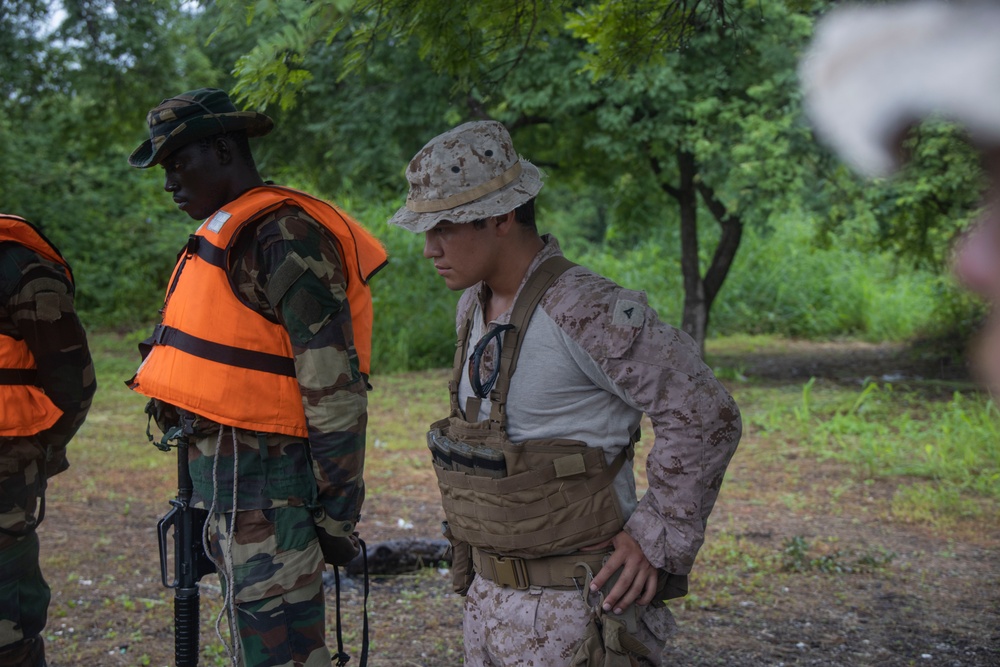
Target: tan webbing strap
x=551 y=572
x=472 y=405
x=472 y=194
x=527 y=301
x=531 y=294
x=459 y=362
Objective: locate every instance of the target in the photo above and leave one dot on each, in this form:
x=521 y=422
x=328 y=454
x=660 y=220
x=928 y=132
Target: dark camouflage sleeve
x=36 y=305
x=291 y=271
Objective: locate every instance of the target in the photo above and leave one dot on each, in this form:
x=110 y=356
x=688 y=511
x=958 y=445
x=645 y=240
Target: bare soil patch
x=863 y=588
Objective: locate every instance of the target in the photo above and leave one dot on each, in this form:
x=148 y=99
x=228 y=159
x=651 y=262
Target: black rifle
x=191 y=562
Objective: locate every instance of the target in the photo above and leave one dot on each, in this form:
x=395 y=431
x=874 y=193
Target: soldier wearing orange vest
x=262 y=357
x=46 y=384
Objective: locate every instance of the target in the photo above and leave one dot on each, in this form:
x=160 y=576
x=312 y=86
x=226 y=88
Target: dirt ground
x=855 y=586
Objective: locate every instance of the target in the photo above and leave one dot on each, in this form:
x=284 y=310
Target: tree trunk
x=700 y=292
x=729 y=243
x=694 y=320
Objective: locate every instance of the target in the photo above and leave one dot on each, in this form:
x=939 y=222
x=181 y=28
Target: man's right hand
x=637 y=582
x=338 y=539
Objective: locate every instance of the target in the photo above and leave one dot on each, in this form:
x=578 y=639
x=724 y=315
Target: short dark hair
x=524 y=214
x=239 y=138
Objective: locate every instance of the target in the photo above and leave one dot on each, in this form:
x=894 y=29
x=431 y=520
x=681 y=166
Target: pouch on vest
x=462 y=573
x=465 y=457
x=608 y=640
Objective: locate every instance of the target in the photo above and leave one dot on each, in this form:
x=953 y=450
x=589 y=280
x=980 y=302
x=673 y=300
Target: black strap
x=224 y=354
x=342 y=657
x=479 y=388
x=206 y=251
x=18 y=376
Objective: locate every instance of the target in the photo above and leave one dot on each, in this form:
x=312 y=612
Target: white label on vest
x=628 y=312
x=217 y=221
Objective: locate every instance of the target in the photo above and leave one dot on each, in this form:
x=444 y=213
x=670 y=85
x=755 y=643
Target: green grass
x=935 y=453
x=946 y=451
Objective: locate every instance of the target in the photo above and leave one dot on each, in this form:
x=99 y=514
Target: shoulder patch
x=218 y=221
x=629 y=313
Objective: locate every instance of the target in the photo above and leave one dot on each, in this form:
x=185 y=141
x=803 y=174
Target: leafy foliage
x=917 y=214
x=670 y=132
x=671 y=125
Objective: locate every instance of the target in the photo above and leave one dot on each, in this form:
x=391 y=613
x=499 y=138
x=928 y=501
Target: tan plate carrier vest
x=524 y=508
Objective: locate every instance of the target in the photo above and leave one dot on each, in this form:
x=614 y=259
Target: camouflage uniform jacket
x=594 y=358
x=315 y=312
x=36 y=306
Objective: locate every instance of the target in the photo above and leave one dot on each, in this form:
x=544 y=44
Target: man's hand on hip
x=637 y=581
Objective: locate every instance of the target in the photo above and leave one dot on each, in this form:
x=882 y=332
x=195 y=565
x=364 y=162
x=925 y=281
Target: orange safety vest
x=24 y=407
x=214 y=356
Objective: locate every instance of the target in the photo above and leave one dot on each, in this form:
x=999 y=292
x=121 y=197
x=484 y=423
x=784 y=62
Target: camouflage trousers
x=276 y=584
x=543 y=627
x=24 y=595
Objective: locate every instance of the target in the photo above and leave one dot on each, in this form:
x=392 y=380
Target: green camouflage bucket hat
x=190 y=116
x=466 y=174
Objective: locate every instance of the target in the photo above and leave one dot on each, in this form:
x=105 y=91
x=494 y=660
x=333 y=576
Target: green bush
x=414 y=311
x=783 y=284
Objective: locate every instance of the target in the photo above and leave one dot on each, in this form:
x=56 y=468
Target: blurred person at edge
x=46 y=385
x=262 y=361
x=873 y=72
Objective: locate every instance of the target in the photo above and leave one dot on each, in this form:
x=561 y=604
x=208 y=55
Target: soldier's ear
x=223 y=150
x=505 y=223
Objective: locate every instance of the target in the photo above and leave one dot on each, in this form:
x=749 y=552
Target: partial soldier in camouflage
x=262 y=358
x=560 y=562
x=46 y=385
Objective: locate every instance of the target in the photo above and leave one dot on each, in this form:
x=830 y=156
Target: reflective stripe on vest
x=24 y=408
x=214 y=356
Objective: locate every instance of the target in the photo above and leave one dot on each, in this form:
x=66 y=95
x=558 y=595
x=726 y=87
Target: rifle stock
x=191 y=562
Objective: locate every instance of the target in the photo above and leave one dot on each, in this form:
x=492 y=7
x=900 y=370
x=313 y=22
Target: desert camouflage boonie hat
x=466 y=174
x=190 y=116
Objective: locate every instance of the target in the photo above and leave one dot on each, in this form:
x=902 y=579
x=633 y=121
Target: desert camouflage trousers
x=542 y=627
x=277 y=586
x=24 y=595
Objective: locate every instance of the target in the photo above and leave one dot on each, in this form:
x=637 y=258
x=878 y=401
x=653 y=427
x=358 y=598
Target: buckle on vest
x=159 y=333
x=510 y=572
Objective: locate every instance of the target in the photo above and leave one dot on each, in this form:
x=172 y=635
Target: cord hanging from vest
x=480 y=388
x=225 y=569
x=342 y=658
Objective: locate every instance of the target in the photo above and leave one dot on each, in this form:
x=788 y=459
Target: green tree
x=711 y=125
x=67 y=126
